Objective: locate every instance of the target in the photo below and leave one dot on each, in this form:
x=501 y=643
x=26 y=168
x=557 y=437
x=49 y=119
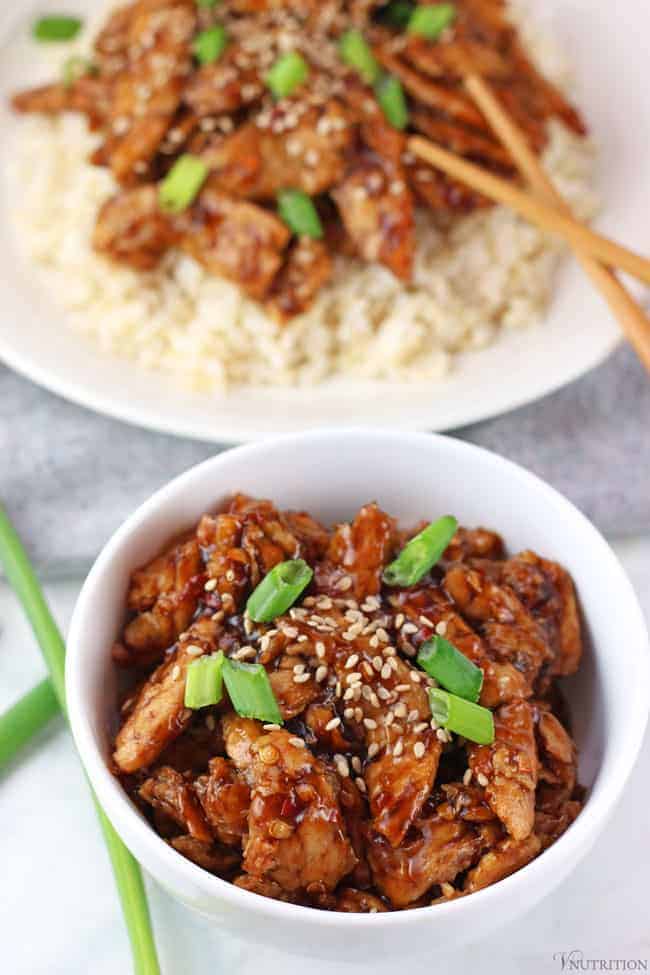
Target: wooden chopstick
x=632 y=319
x=531 y=208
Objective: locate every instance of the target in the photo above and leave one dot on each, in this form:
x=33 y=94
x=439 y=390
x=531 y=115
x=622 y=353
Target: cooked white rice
x=490 y=271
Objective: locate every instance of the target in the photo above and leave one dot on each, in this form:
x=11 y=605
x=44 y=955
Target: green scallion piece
x=128 y=878
x=207 y=3
x=56 y=27
x=420 y=554
x=355 y=51
x=182 y=184
x=451 y=668
x=430 y=20
x=392 y=101
x=250 y=691
x=204 y=681
x=25 y=718
x=462 y=717
x=210 y=44
x=287 y=74
x=396 y=14
x=299 y=213
x=278 y=590
x=74 y=68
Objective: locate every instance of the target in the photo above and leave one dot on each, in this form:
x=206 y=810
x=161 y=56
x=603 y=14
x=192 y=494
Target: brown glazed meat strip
x=357 y=802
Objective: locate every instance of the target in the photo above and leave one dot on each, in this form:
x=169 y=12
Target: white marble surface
x=59 y=913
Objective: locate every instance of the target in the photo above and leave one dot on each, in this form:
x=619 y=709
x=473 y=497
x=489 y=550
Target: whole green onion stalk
x=128 y=877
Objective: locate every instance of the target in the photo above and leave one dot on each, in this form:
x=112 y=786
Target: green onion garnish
x=25 y=718
x=397 y=14
x=128 y=878
x=278 y=590
x=204 y=681
x=390 y=95
x=430 y=20
x=355 y=51
x=420 y=554
x=287 y=74
x=451 y=668
x=207 y=3
x=210 y=44
x=462 y=717
x=74 y=68
x=250 y=691
x=299 y=213
x=182 y=183
x=56 y=28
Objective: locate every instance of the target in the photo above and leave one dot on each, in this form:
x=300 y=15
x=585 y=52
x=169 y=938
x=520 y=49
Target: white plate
x=609 y=52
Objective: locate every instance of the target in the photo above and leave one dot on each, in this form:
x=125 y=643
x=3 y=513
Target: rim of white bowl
x=602 y=798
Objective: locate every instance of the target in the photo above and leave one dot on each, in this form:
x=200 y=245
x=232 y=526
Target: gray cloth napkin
x=69 y=477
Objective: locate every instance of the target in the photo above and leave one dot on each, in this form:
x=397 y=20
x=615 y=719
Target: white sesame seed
x=441 y=627
x=324 y=603
x=467 y=777
x=434 y=724
x=320 y=649
x=402 y=688
x=419 y=749
x=360 y=784
x=342 y=766
x=383 y=693
x=348 y=714
x=210 y=585
x=352 y=661
x=370 y=723
x=419 y=728
x=441 y=735
x=389 y=718
x=399 y=748
x=298 y=668
x=399 y=619
x=482 y=779
x=331 y=725
x=301 y=678
x=415 y=677
x=230 y=576
x=386 y=671
x=321 y=674
x=409 y=628
x=400 y=710
x=193 y=650
x=353 y=678
x=271 y=727
x=290 y=631
x=373 y=749
x=344 y=583
x=448 y=889
x=413 y=715
x=176 y=672
x=349 y=694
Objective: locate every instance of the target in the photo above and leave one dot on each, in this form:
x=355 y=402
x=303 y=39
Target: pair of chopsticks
x=38 y=707
x=547 y=209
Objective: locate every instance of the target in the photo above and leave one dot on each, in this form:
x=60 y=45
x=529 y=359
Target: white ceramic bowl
x=331 y=473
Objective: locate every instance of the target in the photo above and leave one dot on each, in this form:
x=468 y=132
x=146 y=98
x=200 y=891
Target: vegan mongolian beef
x=266 y=137
x=359 y=719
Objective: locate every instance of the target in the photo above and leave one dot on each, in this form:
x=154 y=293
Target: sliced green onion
x=250 y=691
x=207 y=3
x=56 y=28
x=420 y=554
x=355 y=51
x=182 y=184
x=299 y=213
x=462 y=717
x=210 y=44
x=74 y=68
x=397 y=13
x=204 y=681
x=392 y=101
x=430 y=20
x=287 y=74
x=278 y=590
x=451 y=668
